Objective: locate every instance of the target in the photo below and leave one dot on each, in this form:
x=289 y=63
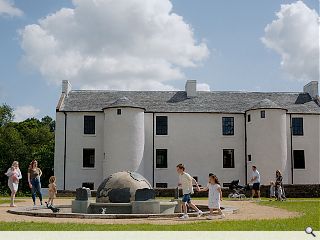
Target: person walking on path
x=34 y=174
x=14 y=175
x=185 y=181
x=279 y=187
x=256 y=182
x=214 y=196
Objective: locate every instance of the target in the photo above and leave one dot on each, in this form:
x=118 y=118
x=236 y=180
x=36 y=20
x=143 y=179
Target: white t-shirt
x=186 y=183
x=256 y=174
x=214 y=195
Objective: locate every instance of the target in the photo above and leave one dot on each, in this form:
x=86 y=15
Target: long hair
x=216 y=180
x=31 y=166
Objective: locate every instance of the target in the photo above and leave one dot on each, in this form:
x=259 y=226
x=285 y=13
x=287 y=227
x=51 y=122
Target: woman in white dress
x=14 y=175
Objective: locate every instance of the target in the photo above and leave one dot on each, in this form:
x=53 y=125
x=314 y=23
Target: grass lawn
x=310 y=217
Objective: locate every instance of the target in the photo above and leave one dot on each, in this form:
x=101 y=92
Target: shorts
x=256 y=186
x=186 y=198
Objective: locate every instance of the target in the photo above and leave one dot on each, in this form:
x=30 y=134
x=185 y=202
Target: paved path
x=247 y=211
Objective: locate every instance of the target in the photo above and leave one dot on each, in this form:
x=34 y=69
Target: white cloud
x=203 y=87
x=295 y=36
x=7 y=8
x=113 y=44
x=21 y=113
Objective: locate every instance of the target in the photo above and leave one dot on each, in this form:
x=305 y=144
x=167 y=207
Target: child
x=185 y=181
x=272 y=190
x=52 y=190
x=215 y=195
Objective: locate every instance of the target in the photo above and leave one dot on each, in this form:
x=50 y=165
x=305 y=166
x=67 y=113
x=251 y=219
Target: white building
x=101 y=132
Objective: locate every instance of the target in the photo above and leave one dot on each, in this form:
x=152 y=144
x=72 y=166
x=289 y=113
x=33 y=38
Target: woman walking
x=34 y=174
x=14 y=175
x=279 y=187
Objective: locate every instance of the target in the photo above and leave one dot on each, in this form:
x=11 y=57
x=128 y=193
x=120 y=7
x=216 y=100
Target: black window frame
x=297 y=127
x=161 y=185
x=161 y=125
x=224 y=163
x=89 y=124
x=249 y=118
x=262 y=114
x=249 y=158
x=228 y=126
x=299 y=163
x=162 y=163
x=86 y=163
x=119 y=111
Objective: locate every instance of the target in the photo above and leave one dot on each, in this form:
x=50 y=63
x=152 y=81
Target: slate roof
x=266 y=104
x=177 y=101
x=123 y=102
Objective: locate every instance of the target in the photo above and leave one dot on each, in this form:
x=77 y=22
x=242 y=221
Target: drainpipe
x=245 y=149
x=65 y=151
x=291 y=151
x=153 y=149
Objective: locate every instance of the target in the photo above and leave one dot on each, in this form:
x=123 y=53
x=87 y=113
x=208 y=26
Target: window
x=298 y=159
x=263 y=114
x=249 y=158
x=162 y=125
x=89 y=125
x=228 y=158
x=161 y=185
x=249 y=118
x=118 y=111
x=297 y=126
x=89 y=185
x=161 y=158
x=228 y=126
x=88 y=158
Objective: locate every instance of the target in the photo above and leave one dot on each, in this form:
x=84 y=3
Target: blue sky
x=226 y=50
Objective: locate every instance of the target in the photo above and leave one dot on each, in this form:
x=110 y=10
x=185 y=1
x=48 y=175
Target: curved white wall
x=267 y=143
x=123 y=140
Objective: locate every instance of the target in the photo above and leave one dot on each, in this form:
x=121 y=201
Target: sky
x=226 y=45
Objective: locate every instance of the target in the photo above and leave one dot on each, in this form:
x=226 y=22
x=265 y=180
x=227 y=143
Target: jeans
x=36 y=188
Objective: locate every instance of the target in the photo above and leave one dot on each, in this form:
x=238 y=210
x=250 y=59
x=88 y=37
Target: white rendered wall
x=196 y=140
x=123 y=140
x=309 y=142
x=76 y=141
x=267 y=143
x=59 y=149
x=147 y=162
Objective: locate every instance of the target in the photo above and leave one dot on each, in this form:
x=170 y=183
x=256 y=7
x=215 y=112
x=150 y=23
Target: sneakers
x=184 y=216
x=200 y=213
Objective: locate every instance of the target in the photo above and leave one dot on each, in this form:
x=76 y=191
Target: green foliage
x=23 y=142
x=6 y=114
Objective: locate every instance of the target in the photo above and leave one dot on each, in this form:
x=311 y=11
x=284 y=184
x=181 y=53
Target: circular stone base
x=65 y=212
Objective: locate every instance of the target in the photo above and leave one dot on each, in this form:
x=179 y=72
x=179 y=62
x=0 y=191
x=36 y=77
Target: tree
x=23 y=142
x=6 y=114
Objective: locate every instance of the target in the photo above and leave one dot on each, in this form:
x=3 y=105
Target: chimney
x=66 y=87
x=312 y=89
x=191 y=88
